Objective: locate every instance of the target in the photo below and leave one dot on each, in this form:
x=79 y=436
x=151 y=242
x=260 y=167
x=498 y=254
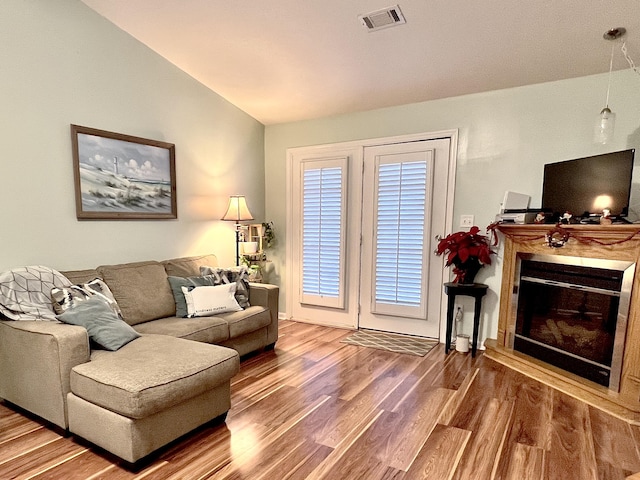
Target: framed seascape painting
x=122 y=177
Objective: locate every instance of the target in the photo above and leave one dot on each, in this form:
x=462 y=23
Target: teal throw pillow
x=177 y=283
x=103 y=325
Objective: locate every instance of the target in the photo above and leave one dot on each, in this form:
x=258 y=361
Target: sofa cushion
x=207 y=300
x=65 y=298
x=81 y=276
x=141 y=290
x=103 y=325
x=246 y=321
x=188 y=266
x=25 y=292
x=204 y=329
x=237 y=275
x=152 y=374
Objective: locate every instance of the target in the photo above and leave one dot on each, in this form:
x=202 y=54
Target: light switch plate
x=466 y=221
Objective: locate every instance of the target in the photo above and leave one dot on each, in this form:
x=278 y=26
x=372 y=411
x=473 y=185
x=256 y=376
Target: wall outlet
x=459 y=312
x=466 y=221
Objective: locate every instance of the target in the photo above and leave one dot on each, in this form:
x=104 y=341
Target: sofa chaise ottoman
x=148 y=393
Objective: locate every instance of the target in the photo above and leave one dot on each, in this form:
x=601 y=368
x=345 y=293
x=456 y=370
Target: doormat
x=392 y=342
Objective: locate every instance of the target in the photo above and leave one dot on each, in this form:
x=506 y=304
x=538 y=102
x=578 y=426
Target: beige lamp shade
x=237 y=210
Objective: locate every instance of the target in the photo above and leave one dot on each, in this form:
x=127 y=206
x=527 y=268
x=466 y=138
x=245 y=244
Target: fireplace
x=571 y=312
x=590 y=247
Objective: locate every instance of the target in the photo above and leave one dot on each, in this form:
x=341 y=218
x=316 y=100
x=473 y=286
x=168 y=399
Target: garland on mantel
x=557 y=237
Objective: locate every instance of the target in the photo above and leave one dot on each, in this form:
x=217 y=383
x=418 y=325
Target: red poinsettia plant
x=467 y=248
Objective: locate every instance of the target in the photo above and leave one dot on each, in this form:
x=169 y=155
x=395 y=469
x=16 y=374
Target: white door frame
x=291 y=269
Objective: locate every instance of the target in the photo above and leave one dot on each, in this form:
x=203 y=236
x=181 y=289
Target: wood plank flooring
x=315 y=408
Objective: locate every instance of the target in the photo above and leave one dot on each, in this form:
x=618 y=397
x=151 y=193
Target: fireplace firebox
x=571 y=312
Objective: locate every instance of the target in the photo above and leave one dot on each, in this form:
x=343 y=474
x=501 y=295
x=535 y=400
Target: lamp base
x=237 y=244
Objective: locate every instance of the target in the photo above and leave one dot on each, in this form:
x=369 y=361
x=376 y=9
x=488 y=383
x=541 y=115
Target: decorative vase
x=466 y=271
x=255 y=276
x=249 y=247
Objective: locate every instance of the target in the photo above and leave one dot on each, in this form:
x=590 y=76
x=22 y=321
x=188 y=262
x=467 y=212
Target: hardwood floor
x=315 y=408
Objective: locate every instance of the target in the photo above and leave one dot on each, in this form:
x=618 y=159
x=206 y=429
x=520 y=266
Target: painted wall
x=505 y=139
x=62 y=63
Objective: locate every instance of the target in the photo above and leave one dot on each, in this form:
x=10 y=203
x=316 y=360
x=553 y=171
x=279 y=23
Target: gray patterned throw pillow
x=239 y=275
x=68 y=297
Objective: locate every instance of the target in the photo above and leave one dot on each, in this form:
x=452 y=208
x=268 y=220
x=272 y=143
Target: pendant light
x=605 y=124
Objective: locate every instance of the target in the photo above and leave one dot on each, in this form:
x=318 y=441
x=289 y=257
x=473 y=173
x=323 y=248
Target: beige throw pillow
x=205 y=301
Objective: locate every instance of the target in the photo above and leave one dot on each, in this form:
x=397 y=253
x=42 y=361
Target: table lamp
x=237 y=211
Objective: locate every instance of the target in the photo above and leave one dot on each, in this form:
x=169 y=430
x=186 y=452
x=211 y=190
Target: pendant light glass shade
x=605 y=125
x=606 y=121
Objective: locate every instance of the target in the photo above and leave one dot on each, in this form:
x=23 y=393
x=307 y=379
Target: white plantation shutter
x=402 y=197
x=323 y=232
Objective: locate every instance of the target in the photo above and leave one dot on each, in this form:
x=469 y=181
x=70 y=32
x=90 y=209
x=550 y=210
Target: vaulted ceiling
x=289 y=60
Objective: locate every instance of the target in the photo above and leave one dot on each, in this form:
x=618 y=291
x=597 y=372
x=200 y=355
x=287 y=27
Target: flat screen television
x=586 y=186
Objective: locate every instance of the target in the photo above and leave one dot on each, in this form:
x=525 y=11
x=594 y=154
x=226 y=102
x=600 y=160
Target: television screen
x=586 y=186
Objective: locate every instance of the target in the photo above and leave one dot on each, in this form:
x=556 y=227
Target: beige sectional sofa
x=173 y=378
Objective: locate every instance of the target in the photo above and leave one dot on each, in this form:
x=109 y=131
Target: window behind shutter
x=401 y=203
x=323 y=232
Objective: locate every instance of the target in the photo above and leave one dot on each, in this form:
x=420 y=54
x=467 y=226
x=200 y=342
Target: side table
x=475 y=290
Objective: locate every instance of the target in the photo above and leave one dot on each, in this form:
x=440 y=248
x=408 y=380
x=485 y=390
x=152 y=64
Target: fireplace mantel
x=611 y=242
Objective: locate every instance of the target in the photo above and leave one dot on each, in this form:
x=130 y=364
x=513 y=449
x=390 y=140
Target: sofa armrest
x=36 y=359
x=267 y=295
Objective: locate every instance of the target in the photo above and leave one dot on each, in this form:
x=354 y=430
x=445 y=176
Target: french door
x=362 y=218
x=323 y=235
x=404 y=207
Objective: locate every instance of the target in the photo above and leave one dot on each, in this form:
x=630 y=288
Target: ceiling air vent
x=387 y=17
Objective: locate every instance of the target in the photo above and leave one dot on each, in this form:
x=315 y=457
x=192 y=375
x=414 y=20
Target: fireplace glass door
x=571 y=313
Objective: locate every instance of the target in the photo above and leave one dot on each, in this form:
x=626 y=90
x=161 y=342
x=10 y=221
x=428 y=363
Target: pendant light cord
x=610 y=70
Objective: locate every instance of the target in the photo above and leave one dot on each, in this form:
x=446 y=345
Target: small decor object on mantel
x=557 y=237
x=467 y=251
x=606 y=219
